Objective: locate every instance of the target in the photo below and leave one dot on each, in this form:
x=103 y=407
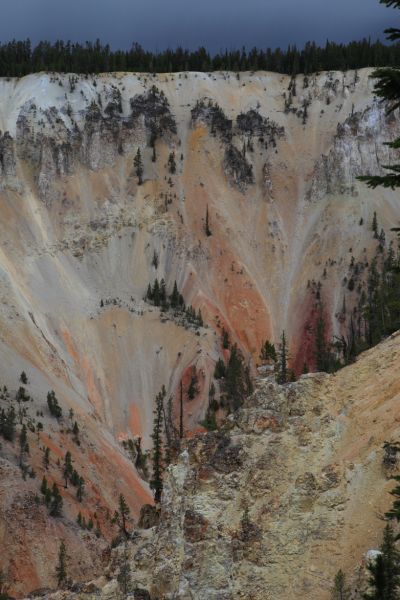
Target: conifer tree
x=68 y=468
x=46 y=458
x=174 y=297
x=138 y=164
x=156 y=482
x=384 y=570
x=282 y=364
x=56 y=502
x=122 y=516
x=340 y=590
x=23 y=444
x=181 y=412
x=207 y=224
x=43 y=487
x=219 y=370
x=61 y=568
x=156 y=293
x=172 y=163
x=80 y=488
x=375 y=225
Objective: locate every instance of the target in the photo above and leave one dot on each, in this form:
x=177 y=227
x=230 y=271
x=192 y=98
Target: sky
x=215 y=24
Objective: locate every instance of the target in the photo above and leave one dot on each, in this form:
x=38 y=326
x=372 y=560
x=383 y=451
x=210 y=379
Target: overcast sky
x=216 y=24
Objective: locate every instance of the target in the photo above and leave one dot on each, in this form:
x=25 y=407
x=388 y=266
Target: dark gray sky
x=216 y=24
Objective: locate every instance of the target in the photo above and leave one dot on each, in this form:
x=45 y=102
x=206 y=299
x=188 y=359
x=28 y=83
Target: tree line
x=19 y=58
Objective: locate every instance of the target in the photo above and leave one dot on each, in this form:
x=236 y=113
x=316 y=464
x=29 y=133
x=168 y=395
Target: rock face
x=81 y=240
x=290 y=492
x=270 y=507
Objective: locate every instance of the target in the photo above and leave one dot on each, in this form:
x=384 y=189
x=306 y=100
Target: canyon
x=271 y=163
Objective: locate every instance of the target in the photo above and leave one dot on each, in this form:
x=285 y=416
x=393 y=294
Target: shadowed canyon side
x=248 y=199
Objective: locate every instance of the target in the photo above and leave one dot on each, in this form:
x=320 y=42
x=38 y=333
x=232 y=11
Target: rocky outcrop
x=273 y=504
x=239 y=171
x=350 y=156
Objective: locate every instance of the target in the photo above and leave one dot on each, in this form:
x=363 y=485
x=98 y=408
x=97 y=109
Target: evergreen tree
x=68 y=468
x=157 y=455
x=375 y=225
x=219 y=370
x=156 y=293
x=174 y=297
x=384 y=571
x=394 y=512
x=80 y=488
x=75 y=431
x=181 y=412
x=54 y=408
x=122 y=516
x=138 y=164
x=23 y=444
x=163 y=294
x=61 y=568
x=193 y=387
x=340 y=590
x=268 y=351
x=207 y=224
x=282 y=364
x=46 y=458
x=225 y=339
x=43 y=487
x=172 y=163
x=8 y=423
x=236 y=381
x=56 y=501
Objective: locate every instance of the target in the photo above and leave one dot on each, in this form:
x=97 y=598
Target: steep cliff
x=273 y=162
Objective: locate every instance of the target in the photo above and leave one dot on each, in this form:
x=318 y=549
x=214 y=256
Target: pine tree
x=56 y=501
x=193 y=388
x=157 y=455
x=394 y=512
x=181 y=412
x=46 y=458
x=80 y=488
x=219 y=370
x=68 y=468
x=225 y=339
x=61 y=568
x=156 y=293
x=375 y=225
x=138 y=164
x=384 y=571
x=268 y=351
x=75 y=431
x=237 y=383
x=23 y=444
x=174 y=297
x=122 y=516
x=340 y=590
x=43 y=487
x=8 y=423
x=207 y=224
x=282 y=373
x=172 y=163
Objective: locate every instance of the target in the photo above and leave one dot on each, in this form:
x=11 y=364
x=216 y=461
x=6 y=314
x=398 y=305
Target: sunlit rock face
x=274 y=166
